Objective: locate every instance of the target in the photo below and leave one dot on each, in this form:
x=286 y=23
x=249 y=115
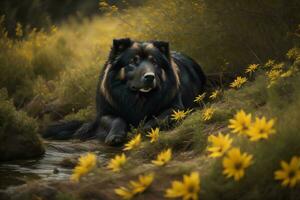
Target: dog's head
x=142 y=66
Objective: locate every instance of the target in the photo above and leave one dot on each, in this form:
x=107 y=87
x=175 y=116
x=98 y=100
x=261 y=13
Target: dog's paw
x=115 y=139
x=84 y=132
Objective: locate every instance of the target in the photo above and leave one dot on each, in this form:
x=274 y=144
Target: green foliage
x=18 y=132
x=221 y=35
x=40 y=54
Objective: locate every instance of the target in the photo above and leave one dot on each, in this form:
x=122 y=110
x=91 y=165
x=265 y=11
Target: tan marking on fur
x=122 y=73
x=103 y=88
x=150 y=46
x=176 y=72
x=135 y=45
x=163 y=75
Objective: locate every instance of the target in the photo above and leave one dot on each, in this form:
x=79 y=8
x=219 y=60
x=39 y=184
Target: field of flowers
x=231 y=149
x=241 y=143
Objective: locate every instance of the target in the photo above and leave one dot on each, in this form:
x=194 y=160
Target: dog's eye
x=135 y=60
x=152 y=60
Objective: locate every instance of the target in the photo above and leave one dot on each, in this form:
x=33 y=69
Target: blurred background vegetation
x=52 y=51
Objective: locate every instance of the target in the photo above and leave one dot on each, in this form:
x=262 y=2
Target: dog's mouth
x=145 y=90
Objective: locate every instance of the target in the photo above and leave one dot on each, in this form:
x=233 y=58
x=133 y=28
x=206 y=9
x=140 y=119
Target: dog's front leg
x=116 y=130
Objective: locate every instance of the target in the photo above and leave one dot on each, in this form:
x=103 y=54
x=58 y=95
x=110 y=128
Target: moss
x=18 y=133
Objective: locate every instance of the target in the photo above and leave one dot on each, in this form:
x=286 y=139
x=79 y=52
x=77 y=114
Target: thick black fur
x=120 y=102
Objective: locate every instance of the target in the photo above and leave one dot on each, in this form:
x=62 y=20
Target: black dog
x=141 y=81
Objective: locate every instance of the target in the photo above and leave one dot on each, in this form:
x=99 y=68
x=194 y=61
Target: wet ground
x=56 y=164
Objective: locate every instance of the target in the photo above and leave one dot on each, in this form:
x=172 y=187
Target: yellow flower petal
x=133 y=143
x=289 y=173
x=163 y=157
x=187 y=189
x=85 y=164
x=235 y=163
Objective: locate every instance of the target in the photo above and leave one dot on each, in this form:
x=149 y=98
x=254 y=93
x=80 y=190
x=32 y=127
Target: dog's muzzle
x=149 y=82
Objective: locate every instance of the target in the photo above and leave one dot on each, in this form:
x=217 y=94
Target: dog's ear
x=120 y=45
x=163 y=47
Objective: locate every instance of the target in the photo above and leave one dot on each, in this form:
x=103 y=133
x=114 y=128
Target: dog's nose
x=149 y=77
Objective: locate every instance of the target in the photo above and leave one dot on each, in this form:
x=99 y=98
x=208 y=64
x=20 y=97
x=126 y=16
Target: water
x=49 y=166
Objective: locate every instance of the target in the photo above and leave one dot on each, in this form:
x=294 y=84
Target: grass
x=188 y=141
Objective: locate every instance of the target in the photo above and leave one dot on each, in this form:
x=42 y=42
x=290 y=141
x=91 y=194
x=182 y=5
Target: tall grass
x=61 y=66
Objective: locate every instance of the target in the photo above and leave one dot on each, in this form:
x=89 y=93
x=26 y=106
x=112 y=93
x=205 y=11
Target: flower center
x=244 y=126
x=291 y=174
x=191 y=189
x=238 y=165
x=261 y=131
x=221 y=148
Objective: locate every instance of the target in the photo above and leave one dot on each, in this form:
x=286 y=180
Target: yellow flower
x=215 y=94
x=85 y=165
x=270 y=63
x=261 y=129
x=135 y=187
x=290 y=172
x=163 y=157
x=238 y=82
x=240 y=123
x=116 y=163
x=142 y=184
x=274 y=74
x=200 y=98
x=207 y=114
x=252 y=68
x=179 y=114
x=133 y=143
x=188 y=189
x=235 y=163
x=154 y=134
x=219 y=144
x=124 y=193
x=293 y=53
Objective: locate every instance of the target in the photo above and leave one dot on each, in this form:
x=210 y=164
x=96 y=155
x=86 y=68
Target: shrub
x=18 y=132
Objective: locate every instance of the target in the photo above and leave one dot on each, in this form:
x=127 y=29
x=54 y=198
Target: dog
x=140 y=82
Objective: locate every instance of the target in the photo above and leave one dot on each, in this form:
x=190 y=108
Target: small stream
x=56 y=163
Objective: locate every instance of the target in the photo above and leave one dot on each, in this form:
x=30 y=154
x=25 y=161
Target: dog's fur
x=141 y=81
